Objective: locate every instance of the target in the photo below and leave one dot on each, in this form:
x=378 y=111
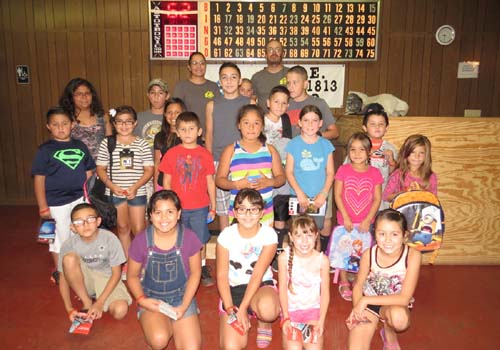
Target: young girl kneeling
x=306 y=273
x=244 y=277
x=385 y=284
x=170 y=256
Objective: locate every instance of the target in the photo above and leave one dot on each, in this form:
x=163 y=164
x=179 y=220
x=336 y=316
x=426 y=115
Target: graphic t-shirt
x=101 y=254
x=189 y=169
x=65 y=166
x=148 y=125
x=244 y=252
x=357 y=191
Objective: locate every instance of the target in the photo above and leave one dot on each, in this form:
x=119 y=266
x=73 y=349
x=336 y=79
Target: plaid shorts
x=222 y=198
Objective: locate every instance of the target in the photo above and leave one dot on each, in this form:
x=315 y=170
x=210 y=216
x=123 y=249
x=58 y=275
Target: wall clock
x=445 y=34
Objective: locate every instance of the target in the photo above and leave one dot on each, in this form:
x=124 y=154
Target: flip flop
x=387 y=345
x=264 y=337
x=346 y=294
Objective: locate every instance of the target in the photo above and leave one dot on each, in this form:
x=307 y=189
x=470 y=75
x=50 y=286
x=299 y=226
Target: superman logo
x=70 y=157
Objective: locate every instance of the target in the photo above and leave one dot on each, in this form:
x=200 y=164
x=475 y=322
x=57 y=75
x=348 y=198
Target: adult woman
x=80 y=99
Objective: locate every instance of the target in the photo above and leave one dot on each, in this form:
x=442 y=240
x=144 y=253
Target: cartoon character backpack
x=425 y=218
x=345 y=249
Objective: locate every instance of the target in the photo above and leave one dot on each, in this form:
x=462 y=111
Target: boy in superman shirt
x=60 y=168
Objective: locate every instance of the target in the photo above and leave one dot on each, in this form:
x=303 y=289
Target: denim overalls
x=165 y=275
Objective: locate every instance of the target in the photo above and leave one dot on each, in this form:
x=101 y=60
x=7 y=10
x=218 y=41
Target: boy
x=188 y=170
x=221 y=126
x=278 y=131
x=60 y=168
x=149 y=122
x=297 y=84
x=89 y=264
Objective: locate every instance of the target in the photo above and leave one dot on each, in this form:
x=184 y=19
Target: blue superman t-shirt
x=64 y=165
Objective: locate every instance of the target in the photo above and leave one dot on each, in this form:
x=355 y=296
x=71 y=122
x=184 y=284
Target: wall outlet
x=472 y=113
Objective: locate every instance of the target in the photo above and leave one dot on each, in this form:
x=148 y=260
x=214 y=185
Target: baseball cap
x=158 y=82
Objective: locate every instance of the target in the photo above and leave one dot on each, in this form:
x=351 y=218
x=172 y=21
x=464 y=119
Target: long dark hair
x=66 y=100
x=164 y=137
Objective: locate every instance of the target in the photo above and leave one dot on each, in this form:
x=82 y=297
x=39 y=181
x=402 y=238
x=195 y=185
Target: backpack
x=345 y=249
x=425 y=218
x=94 y=191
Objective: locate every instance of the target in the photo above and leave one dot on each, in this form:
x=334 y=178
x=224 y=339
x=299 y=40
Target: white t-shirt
x=244 y=252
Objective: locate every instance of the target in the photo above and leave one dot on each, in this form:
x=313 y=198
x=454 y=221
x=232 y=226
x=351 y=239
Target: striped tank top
x=245 y=164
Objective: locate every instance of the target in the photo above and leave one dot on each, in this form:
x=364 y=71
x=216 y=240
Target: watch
x=445 y=34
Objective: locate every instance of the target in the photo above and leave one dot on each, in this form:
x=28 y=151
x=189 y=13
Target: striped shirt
x=245 y=164
x=128 y=163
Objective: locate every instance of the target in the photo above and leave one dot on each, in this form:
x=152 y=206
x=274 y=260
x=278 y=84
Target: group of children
x=253 y=162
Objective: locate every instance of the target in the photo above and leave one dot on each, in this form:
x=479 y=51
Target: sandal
x=264 y=337
x=387 y=345
x=54 y=277
x=345 y=293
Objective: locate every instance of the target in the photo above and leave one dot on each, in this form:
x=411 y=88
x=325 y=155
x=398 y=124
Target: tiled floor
x=456 y=307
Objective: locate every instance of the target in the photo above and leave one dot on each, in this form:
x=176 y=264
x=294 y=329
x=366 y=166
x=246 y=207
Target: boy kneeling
x=89 y=263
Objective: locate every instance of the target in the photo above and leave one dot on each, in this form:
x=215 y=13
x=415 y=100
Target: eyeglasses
x=198 y=63
x=245 y=211
x=125 y=122
x=274 y=50
x=88 y=220
x=82 y=94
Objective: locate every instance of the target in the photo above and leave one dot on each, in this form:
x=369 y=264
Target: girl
x=251 y=163
x=414 y=168
x=358 y=191
x=132 y=167
x=81 y=101
x=166 y=138
x=386 y=281
x=309 y=164
x=383 y=154
x=305 y=272
x=244 y=277
x=169 y=255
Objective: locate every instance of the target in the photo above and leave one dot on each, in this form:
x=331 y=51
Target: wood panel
x=466 y=158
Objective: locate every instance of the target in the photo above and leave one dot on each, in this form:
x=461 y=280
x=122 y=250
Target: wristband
x=70 y=312
x=211 y=211
x=139 y=298
x=43 y=211
x=283 y=321
x=231 y=309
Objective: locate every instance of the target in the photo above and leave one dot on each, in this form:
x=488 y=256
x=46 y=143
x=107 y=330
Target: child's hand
x=348 y=224
x=72 y=314
x=414 y=186
x=319 y=200
x=150 y=304
x=179 y=311
x=364 y=226
x=261 y=182
x=45 y=215
x=95 y=310
x=303 y=201
x=131 y=192
x=242 y=316
x=118 y=190
x=319 y=329
x=389 y=155
x=286 y=327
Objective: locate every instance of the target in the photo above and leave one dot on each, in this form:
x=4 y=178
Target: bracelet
x=283 y=321
x=231 y=309
x=70 y=312
x=139 y=298
x=211 y=211
x=46 y=210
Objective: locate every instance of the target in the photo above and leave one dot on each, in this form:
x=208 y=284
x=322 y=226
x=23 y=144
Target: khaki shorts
x=95 y=282
x=329 y=206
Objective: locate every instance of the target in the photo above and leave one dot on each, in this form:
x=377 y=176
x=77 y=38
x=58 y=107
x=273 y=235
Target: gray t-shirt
x=104 y=252
x=224 y=118
x=196 y=96
x=148 y=125
x=263 y=82
x=295 y=107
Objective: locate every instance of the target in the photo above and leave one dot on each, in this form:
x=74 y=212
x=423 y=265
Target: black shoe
x=206 y=278
x=54 y=277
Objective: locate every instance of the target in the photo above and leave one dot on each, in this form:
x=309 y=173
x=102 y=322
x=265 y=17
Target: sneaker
x=206 y=278
x=124 y=272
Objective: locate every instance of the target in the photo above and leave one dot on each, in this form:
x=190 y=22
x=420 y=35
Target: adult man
x=272 y=75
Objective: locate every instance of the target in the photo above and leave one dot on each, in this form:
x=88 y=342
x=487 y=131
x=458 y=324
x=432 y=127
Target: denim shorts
x=196 y=220
x=137 y=201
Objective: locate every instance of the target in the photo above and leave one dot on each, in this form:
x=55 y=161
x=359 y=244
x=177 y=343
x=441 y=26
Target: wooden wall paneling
x=5 y=109
x=426 y=59
x=414 y=80
x=383 y=49
x=408 y=53
x=102 y=49
x=396 y=49
x=62 y=62
x=480 y=17
x=146 y=74
x=449 y=64
x=467 y=43
x=76 y=40
x=125 y=52
x=114 y=63
x=496 y=91
x=356 y=77
x=91 y=60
